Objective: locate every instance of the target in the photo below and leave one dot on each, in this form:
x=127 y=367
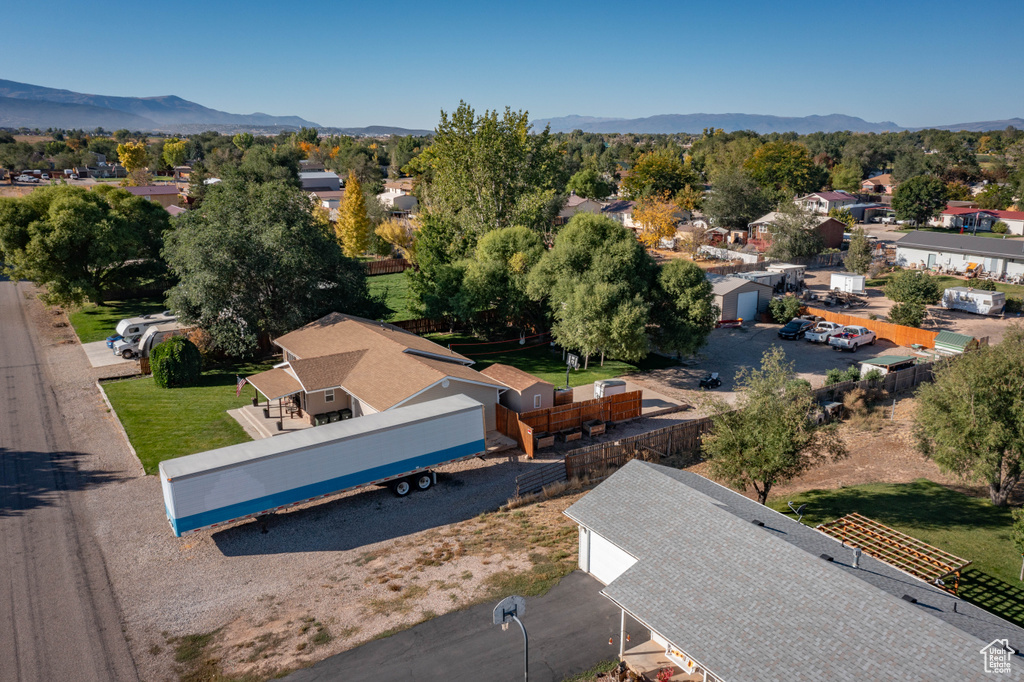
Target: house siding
x=918 y=257
x=316 y=403
x=487 y=395
x=522 y=401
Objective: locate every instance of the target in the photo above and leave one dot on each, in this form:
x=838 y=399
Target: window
x=536 y=402
x=329 y=396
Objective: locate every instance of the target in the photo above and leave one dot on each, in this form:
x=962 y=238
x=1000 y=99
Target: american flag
x=238 y=386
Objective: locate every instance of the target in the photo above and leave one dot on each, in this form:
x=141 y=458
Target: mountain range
x=759 y=123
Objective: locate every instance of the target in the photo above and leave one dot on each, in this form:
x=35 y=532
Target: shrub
x=176 y=363
x=1000 y=227
x=984 y=285
x=910 y=286
x=834 y=376
x=1014 y=304
x=907 y=314
x=784 y=309
x=873 y=375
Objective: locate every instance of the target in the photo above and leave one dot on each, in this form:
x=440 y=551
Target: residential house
x=397 y=196
x=760 y=231
x=823 y=202
x=176 y=210
x=165 y=195
x=525 y=391
x=319 y=180
x=960 y=252
x=738 y=298
x=576 y=204
x=880 y=184
x=723 y=589
x=971 y=219
x=311 y=166
x=342 y=363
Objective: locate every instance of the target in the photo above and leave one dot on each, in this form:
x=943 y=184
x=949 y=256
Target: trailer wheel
x=424 y=481
x=401 y=487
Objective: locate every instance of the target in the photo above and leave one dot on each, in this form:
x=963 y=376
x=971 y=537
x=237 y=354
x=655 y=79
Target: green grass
x=542 y=362
x=947 y=281
x=969 y=527
x=163 y=423
x=397 y=293
x=943 y=230
x=95 y=323
x=591 y=675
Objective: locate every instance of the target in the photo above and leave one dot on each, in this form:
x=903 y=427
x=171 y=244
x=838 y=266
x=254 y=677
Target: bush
x=910 y=286
x=176 y=363
x=907 y=314
x=1000 y=227
x=984 y=285
x=1014 y=304
x=873 y=375
x=838 y=376
x=784 y=309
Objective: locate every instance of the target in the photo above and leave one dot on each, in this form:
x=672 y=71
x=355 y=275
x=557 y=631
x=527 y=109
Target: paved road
x=58 y=616
x=568 y=627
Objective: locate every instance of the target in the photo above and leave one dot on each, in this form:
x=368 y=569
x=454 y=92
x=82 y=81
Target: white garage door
x=607 y=562
x=746 y=306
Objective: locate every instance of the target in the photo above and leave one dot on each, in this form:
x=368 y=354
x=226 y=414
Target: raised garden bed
x=594 y=427
x=543 y=439
x=571 y=435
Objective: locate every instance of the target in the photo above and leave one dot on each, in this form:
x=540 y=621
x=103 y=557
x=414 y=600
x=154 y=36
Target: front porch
x=648 y=659
x=262 y=422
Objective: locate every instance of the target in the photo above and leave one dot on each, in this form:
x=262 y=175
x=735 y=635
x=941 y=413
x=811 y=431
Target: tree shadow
x=29 y=479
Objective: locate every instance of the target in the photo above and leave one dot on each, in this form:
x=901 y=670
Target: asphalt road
x=58 y=616
x=568 y=629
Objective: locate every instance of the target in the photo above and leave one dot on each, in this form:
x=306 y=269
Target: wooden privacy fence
x=386 y=267
x=522 y=427
x=537 y=478
x=678 y=439
x=426 y=325
x=893 y=382
x=898 y=334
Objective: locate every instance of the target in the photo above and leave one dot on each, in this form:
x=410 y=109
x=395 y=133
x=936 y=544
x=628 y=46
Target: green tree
x=496 y=278
x=197 y=186
x=996 y=197
x=910 y=164
x=598 y=283
x=785 y=168
x=174 y=152
x=785 y=308
x=911 y=286
x=685 y=313
x=794 y=233
x=79 y=243
x=919 y=198
x=843 y=215
x=354 y=226
x=590 y=184
x=907 y=314
x=847 y=176
x=858 y=257
x=284 y=269
x=176 y=363
x=439 y=248
x=771 y=436
x=970 y=419
x=265 y=164
x=134 y=157
x=243 y=140
x=736 y=201
x=658 y=174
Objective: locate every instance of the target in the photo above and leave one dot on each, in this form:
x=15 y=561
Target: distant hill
x=376 y=131
x=696 y=123
x=58 y=108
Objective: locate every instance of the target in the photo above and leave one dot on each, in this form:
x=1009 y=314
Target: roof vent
x=826 y=557
x=757 y=522
x=910 y=599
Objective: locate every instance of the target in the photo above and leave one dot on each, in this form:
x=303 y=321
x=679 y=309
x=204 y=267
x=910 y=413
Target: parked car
x=795 y=328
x=112 y=339
x=45 y=176
x=889 y=220
x=822 y=332
x=851 y=338
x=74 y=176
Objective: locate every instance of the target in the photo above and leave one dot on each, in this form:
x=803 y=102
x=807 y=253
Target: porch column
x=622 y=634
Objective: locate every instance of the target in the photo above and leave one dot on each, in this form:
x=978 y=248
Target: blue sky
x=400 y=63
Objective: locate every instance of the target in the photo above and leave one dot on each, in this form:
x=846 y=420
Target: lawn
x=170 y=422
x=541 y=361
x=397 y=294
x=947 y=281
x=969 y=527
x=943 y=230
x=95 y=323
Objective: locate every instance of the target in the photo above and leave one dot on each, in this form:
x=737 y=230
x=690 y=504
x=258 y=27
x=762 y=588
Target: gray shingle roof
x=753 y=603
x=964 y=243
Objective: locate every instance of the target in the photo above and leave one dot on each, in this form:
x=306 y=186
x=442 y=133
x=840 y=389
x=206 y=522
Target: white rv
x=974 y=300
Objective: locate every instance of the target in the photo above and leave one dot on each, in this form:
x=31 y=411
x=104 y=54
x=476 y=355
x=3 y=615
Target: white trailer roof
x=234 y=455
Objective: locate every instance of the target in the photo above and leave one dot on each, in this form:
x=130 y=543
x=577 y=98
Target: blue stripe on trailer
x=333 y=485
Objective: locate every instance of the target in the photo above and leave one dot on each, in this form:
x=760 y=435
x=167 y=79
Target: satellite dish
x=508 y=607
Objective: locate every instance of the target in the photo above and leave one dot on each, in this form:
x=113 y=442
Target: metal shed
x=739 y=298
x=952 y=343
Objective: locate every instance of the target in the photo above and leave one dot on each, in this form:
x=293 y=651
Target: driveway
x=101 y=356
x=568 y=628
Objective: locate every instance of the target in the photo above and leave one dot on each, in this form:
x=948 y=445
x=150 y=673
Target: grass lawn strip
x=542 y=362
x=397 y=295
x=95 y=323
x=163 y=423
x=947 y=281
x=969 y=527
x=943 y=230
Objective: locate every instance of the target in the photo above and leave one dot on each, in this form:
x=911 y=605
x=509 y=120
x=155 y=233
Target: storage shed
x=739 y=298
x=951 y=343
x=887 y=363
x=526 y=392
x=848 y=282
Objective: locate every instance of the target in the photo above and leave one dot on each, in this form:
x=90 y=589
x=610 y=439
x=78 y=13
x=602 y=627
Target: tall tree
x=658 y=174
x=794 y=233
x=657 y=218
x=858 y=257
x=590 y=184
x=354 y=225
x=174 y=152
x=134 y=157
x=771 y=436
x=685 y=313
x=736 y=201
x=785 y=168
x=919 y=198
x=254 y=261
x=970 y=419
x=496 y=278
x=847 y=176
x=243 y=140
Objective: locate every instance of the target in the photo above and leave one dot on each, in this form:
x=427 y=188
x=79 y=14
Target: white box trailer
x=847 y=282
x=974 y=300
x=794 y=274
x=396 y=447
x=606 y=387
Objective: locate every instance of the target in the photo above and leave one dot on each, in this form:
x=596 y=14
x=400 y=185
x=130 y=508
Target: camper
x=974 y=300
x=139 y=345
x=776 y=280
x=847 y=282
x=794 y=274
x=135 y=326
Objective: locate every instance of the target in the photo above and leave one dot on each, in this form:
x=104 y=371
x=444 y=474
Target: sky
x=349 y=64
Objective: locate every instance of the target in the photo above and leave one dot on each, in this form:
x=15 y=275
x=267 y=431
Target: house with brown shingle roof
x=525 y=391
x=341 y=363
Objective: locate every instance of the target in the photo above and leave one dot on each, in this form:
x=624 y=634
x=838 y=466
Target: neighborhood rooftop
x=963 y=243
x=736 y=595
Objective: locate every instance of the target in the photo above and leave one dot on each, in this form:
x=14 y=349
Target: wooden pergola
x=906 y=553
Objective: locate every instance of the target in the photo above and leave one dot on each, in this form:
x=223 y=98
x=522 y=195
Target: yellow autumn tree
x=657 y=218
x=398 y=233
x=134 y=157
x=354 y=224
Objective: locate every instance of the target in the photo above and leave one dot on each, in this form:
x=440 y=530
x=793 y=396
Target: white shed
x=848 y=282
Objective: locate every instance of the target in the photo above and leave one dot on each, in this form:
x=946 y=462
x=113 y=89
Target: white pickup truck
x=851 y=338
x=822 y=332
